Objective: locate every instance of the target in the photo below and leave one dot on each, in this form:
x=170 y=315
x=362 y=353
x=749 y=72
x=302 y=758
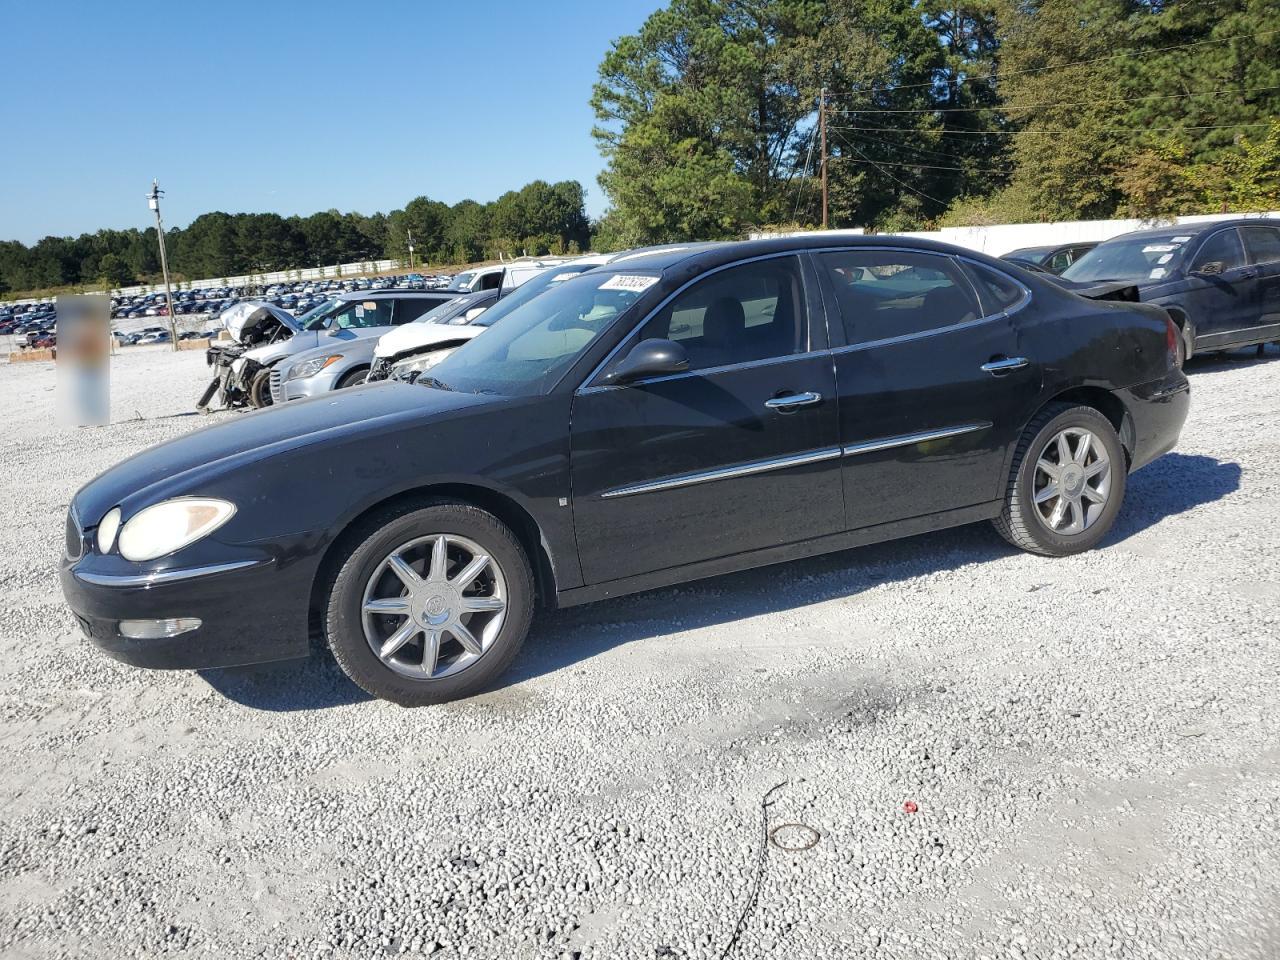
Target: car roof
x=1195 y=229
x=383 y=294
x=698 y=257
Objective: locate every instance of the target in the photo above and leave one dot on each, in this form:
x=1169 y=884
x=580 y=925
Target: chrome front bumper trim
x=161 y=576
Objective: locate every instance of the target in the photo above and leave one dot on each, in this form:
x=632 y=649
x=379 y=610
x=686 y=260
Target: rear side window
x=411 y=308
x=750 y=312
x=1262 y=244
x=883 y=294
x=997 y=291
x=1223 y=247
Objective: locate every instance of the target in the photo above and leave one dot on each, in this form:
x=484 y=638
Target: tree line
x=988 y=111
x=540 y=218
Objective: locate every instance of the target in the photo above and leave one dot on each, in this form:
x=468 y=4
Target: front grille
x=380 y=370
x=75 y=537
x=277 y=386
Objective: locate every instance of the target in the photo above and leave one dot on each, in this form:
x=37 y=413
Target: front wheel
x=260 y=389
x=430 y=604
x=1066 y=484
x=353 y=378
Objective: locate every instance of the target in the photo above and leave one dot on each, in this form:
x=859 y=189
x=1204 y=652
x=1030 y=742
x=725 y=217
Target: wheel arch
x=1107 y=404
x=511 y=513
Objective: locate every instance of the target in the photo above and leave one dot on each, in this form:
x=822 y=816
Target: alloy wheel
x=434 y=606
x=1072 y=481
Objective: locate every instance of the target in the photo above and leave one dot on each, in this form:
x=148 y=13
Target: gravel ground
x=1002 y=755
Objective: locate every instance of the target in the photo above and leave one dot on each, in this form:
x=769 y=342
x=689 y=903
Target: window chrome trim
x=587 y=383
x=161 y=576
x=724 y=473
x=910 y=439
x=704 y=371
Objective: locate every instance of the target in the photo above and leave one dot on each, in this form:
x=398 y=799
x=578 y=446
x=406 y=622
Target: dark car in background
x=1050 y=259
x=1220 y=281
x=655 y=420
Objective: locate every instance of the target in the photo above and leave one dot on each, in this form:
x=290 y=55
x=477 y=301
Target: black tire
x=368 y=546
x=1020 y=522
x=353 y=378
x=1188 y=341
x=260 y=389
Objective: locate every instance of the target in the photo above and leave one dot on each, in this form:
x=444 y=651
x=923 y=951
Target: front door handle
x=999 y=366
x=793 y=401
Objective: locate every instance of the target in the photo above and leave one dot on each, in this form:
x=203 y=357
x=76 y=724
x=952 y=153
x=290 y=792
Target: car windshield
x=440 y=313
x=530 y=289
x=462 y=281
x=539 y=340
x=1132 y=259
x=314 y=319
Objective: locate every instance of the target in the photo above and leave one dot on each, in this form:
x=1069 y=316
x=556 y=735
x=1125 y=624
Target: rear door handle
x=999 y=366
x=793 y=401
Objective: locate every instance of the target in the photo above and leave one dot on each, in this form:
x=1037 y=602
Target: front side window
x=536 y=343
x=1224 y=248
x=1262 y=244
x=750 y=312
x=884 y=294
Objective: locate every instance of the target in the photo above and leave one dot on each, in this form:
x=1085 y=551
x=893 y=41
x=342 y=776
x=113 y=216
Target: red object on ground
x=910 y=806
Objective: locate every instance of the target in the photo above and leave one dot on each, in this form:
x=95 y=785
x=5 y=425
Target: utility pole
x=153 y=201
x=410 y=233
x=822 y=126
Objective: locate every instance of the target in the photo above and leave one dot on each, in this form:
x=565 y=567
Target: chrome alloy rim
x=1072 y=481
x=434 y=606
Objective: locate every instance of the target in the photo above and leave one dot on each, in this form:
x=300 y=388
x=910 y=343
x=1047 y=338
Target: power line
x=906 y=146
x=1012 y=133
x=1133 y=52
x=1007 y=108
x=901 y=183
x=924 y=166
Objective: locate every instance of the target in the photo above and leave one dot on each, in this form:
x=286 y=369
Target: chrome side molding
x=724 y=473
x=908 y=439
x=161 y=576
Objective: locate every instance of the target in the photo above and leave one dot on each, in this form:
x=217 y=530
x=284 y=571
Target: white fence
x=336 y=270
x=998 y=239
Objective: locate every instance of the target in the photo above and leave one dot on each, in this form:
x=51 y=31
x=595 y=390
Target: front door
x=737 y=454
x=933 y=384
x=1219 y=301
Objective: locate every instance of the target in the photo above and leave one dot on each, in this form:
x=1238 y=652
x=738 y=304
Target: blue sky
x=291 y=107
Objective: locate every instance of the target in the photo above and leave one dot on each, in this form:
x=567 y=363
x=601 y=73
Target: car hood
x=183 y=466
x=244 y=317
x=414 y=335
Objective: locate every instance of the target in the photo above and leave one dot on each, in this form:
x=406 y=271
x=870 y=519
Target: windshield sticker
x=562 y=277
x=1181 y=239
x=628 y=281
x=360 y=310
x=1165 y=258
x=1157 y=273
x=1159 y=247
x=370 y=304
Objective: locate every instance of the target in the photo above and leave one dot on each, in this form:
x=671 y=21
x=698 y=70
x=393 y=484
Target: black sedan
x=656 y=420
x=1220 y=281
x=1051 y=259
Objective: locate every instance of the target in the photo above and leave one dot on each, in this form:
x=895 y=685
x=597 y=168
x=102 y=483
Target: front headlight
x=171 y=525
x=108 y=527
x=423 y=361
x=310 y=368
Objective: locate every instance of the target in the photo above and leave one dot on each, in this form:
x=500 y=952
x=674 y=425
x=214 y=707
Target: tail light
x=1173 y=343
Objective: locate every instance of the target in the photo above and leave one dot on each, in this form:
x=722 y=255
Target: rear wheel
x=1066 y=484
x=430 y=605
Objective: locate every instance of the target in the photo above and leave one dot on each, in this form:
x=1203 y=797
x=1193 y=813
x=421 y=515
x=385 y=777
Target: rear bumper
x=1157 y=411
x=251 y=611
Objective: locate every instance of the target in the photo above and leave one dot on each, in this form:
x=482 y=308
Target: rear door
x=1262 y=249
x=737 y=454
x=932 y=380
x=1221 y=290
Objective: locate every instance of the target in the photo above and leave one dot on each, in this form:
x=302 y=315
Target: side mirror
x=1210 y=269
x=650 y=358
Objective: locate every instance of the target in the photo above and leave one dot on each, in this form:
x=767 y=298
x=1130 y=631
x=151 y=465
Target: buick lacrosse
x=672 y=416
